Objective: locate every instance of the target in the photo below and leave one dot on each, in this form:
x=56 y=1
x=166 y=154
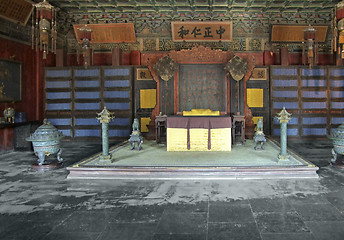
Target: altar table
x=199 y=133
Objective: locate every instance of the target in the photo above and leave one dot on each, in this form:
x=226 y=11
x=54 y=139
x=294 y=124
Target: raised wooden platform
x=141 y=165
x=191 y=173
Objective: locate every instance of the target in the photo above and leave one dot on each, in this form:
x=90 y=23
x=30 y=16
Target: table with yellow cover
x=199 y=133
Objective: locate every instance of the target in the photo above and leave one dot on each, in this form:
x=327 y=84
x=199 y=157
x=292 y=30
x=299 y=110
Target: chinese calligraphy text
x=201 y=31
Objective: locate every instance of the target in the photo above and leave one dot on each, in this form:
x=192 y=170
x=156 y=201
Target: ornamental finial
x=105 y=116
x=283 y=116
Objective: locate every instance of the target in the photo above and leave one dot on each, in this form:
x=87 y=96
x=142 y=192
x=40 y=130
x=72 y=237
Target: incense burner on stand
x=135 y=136
x=337 y=137
x=46 y=141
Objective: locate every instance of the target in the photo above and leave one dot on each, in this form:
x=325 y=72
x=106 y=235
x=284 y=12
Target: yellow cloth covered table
x=201 y=112
x=199 y=133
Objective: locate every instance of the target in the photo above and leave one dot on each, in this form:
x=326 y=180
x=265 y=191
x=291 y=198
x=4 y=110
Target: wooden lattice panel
x=314 y=96
x=74 y=96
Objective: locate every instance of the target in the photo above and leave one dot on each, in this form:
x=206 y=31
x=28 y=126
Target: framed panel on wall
x=259 y=73
x=258 y=95
x=143 y=74
x=145 y=96
x=10 y=81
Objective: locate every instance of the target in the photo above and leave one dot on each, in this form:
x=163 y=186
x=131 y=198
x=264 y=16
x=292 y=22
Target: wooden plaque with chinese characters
x=259 y=74
x=143 y=74
x=201 y=31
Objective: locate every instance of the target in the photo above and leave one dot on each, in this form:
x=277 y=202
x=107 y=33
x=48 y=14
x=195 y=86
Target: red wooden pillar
x=284 y=56
x=6 y=139
x=116 y=57
x=268 y=58
x=60 y=58
x=135 y=58
x=37 y=85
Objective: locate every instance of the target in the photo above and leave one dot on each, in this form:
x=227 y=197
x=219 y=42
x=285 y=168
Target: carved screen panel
x=202 y=86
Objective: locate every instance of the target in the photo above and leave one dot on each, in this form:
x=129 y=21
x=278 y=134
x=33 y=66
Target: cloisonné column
x=284 y=118
x=104 y=118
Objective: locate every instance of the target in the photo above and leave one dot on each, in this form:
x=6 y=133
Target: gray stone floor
x=45 y=205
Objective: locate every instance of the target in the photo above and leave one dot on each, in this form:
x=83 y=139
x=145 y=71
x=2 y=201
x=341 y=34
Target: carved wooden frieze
x=201 y=54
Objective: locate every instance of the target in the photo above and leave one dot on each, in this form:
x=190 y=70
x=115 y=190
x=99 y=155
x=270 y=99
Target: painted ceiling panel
x=223 y=3
x=72 y=7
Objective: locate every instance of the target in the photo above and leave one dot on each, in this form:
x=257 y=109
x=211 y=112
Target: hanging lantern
x=85 y=37
x=311 y=51
x=44 y=32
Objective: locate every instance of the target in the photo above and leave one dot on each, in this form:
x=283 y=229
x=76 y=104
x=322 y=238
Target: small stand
x=160 y=128
x=238 y=129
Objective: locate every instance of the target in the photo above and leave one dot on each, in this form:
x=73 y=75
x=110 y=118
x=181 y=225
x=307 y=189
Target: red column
x=284 y=56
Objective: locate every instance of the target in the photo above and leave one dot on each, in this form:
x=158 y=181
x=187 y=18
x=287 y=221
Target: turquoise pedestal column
x=105 y=138
x=284 y=118
x=104 y=118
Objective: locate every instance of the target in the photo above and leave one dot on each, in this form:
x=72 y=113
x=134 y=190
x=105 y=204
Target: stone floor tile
x=7 y=220
x=88 y=221
x=233 y=231
x=280 y=223
x=129 y=231
x=318 y=212
x=232 y=201
x=146 y=213
x=270 y=205
x=27 y=230
x=180 y=237
x=72 y=235
x=47 y=216
x=196 y=207
x=331 y=178
x=182 y=223
x=227 y=212
x=287 y=236
x=301 y=198
x=327 y=230
x=336 y=198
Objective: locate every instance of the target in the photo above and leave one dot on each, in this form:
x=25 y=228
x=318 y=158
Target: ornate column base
x=283 y=157
x=105 y=158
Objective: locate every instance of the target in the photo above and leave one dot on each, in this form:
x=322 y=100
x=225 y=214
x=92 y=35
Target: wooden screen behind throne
x=170 y=94
x=202 y=86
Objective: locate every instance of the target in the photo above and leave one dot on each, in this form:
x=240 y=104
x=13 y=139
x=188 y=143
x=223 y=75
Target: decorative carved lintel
x=201 y=54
